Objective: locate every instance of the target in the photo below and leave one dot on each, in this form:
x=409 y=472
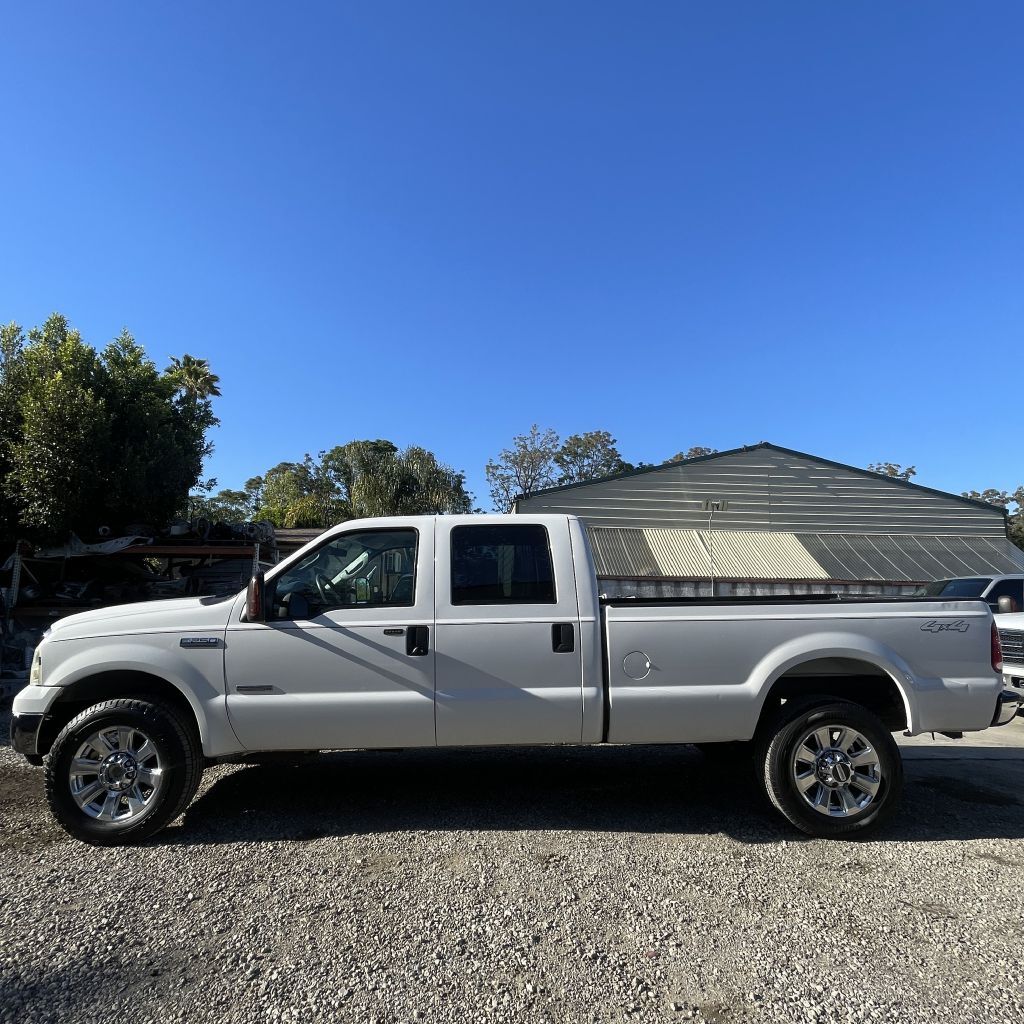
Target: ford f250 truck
x=458 y=631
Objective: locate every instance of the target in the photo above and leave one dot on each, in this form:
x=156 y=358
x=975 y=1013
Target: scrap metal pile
x=187 y=558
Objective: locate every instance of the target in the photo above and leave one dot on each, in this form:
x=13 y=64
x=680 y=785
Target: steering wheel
x=329 y=592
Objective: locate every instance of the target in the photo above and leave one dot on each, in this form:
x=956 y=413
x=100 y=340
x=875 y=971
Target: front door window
x=362 y=569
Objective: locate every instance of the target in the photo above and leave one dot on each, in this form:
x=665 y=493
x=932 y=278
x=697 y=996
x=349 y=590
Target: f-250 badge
x=946 y=627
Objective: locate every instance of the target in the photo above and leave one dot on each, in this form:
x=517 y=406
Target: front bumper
x=25 y=735
x=1007 y=705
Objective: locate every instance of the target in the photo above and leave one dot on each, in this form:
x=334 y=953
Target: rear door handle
x=563 y=638
x=417 y=641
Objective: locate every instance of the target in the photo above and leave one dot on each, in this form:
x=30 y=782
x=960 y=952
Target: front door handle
x=563 y=638
x=417 y=641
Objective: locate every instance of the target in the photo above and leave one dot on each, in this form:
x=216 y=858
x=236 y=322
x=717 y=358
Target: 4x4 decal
x=959 y=626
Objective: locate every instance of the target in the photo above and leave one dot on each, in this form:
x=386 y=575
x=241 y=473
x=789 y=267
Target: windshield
x=973 y=587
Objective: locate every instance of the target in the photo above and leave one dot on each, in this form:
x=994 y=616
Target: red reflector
x=997 y=651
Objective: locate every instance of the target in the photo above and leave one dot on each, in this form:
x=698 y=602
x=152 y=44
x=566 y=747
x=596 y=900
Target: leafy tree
x=253 y=495
x=61 y=435
x=90 y=439
x=226 y=506
x=691 y=453
x=358 y=479
x=528 y=466
x=893 y=470
x=374 y=478
x=285 y=486
x=1012 y=502
x=588 y=456
x=159 y=433
x=12 y=344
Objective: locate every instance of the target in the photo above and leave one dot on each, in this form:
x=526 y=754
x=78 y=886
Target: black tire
x=178 y=754
x=778 y=757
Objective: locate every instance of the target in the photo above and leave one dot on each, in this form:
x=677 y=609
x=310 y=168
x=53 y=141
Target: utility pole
x=711 y=506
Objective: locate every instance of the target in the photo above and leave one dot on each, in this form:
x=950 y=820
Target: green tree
x=195 y=385
x=284 y=487
x=159 y=436
x=194 y=377
x=12 y=344
x=696 y=452
x=359 y=479
x=893 y=470
x=62 y=438
x=409 y=482
x=90 y=439
x=226 y=506
x=524 y=468
x=1012 y=502
x=253 y=495
x=588 y=456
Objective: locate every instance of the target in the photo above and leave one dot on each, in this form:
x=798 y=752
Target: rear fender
x=849 y=646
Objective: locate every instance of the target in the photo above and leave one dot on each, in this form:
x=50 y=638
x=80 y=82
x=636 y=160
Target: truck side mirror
x=1006 y=604
x=254 y=609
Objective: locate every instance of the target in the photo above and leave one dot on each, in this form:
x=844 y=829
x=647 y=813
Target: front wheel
x=831 y=768
x=121 y=770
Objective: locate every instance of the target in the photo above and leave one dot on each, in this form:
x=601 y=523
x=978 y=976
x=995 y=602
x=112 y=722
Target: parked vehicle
x=489 y=630
x=1011 y=641
x=1008 y=589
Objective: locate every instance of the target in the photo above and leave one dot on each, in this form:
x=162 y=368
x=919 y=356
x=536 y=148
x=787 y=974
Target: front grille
x=1012 y=643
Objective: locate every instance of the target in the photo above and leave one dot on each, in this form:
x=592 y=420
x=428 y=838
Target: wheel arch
x=109 y=684
x=860 y=672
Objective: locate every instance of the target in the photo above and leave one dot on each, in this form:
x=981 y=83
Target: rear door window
x=501 y=564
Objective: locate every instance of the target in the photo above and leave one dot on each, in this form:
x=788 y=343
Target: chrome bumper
x=1007 y=705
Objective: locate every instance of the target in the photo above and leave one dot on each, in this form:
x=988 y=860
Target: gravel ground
x=552 y=885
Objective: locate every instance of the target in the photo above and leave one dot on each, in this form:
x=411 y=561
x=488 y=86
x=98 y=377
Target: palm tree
x=194 y=377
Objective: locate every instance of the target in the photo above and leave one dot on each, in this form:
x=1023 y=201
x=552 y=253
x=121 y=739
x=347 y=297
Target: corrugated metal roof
x=626 y=552
x=757 y=555
x=750 y=555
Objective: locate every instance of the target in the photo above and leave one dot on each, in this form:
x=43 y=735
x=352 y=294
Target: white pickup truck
x=457 y=631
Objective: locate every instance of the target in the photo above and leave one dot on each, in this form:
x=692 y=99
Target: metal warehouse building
x=769 y=520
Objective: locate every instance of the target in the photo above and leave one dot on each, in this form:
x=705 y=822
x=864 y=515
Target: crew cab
x=456 y=631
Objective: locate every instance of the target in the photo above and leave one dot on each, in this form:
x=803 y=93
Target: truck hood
x=1009 y=620
x=180 y=613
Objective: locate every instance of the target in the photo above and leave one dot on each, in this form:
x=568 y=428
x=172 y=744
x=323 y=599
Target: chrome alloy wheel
x=115 y=774
x=836 y=770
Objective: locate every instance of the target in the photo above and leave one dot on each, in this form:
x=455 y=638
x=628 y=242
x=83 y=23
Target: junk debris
x=186 y=558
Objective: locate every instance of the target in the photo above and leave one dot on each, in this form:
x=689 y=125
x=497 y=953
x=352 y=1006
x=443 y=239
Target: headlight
x=35 y=677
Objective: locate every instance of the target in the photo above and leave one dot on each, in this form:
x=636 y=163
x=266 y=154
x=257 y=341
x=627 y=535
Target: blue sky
x=684 y=223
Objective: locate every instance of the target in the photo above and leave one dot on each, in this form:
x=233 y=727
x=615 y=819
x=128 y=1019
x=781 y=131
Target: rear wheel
x=831 y=768
x=121 y=770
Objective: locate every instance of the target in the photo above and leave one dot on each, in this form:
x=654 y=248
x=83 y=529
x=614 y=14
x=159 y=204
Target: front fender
x=851 y=646
x=199 y=676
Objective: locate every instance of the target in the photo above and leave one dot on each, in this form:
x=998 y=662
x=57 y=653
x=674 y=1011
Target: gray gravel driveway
x=555 y=885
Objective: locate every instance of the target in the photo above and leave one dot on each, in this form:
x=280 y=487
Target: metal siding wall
x=769 y=490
